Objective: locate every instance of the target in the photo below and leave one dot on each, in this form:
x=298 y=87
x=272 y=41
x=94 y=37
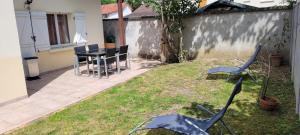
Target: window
x=58 y=29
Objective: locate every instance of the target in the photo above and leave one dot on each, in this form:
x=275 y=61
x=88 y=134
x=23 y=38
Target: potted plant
x=279 y=42
x=276 y=58
x=110 y=41
x=266 y=102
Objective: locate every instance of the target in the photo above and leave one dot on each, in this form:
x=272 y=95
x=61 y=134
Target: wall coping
x=270 y=9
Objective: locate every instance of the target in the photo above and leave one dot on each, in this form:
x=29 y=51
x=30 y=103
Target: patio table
x=98 y=55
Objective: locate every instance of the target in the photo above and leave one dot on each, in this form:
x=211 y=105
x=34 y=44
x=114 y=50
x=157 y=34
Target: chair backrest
x=93 y=48
x=123 y=52
x=110 y=54
x=79 y=49
x=124 y=49
x=252 y=58
x=237 y=89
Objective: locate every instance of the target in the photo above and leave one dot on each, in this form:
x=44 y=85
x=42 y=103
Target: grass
x=169 y=89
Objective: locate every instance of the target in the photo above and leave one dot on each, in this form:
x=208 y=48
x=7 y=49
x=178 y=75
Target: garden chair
x=93 y=48
x=187 y=125
x=124 y=55
x=107 y=61
x=80 y=60
x=238 y=70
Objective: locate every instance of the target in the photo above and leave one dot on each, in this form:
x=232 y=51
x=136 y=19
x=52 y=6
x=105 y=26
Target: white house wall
x=12 y=78
x=51 y=58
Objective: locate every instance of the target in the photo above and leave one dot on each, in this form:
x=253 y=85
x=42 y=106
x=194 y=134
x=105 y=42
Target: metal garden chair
x=239 y=70
x=187 y=125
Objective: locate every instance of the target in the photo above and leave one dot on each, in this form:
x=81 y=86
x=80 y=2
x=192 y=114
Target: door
x=81 y=33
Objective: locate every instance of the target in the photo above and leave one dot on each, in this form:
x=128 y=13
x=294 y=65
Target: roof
x=202 y=3
x=143 y=11
x=224 y=5
x=111 y=8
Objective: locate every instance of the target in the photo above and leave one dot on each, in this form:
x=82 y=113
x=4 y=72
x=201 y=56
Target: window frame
x=59 y=45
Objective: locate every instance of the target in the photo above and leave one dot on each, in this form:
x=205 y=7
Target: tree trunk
x=164 y=38
x=121 y=24
x=180 y=50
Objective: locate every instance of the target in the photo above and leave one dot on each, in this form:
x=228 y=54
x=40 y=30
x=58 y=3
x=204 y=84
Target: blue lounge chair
x=187 y=125
x=238 y=70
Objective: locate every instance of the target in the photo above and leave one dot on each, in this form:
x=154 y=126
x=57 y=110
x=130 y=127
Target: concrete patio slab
x=59 y=89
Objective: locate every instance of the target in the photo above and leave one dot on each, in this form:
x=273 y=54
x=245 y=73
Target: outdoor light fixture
x=28 y=2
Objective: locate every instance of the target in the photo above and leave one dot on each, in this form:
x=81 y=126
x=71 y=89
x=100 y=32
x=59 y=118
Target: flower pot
x=276 y=60
x=110 y=45
x=269 y=103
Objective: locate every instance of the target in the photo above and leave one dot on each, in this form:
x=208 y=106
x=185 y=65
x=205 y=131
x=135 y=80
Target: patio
x=163 y=90
x=59 y=89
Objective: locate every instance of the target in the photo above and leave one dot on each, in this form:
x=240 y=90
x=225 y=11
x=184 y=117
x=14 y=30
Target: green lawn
x=169 y=89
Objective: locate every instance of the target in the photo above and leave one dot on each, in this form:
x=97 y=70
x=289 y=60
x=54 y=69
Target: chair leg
x=128 y=63
x=93 y=69
x=106 y=68
x=74 y=66
x=250 y=73
x=251 y=76
x=226 y=127
x=88 y=66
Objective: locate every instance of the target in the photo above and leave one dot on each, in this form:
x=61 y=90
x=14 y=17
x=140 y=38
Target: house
x=254 y=3
x=223 y=5
x=58 y=25
x=143 y=11
x=110 y=11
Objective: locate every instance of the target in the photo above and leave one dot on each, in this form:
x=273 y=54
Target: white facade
x=114 y=15
x=258 y=3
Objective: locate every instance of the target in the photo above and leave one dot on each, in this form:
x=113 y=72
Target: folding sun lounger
x=188 y=125
x=238 y=70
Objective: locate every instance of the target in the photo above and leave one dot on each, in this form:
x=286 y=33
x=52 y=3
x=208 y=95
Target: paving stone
x=58 y=89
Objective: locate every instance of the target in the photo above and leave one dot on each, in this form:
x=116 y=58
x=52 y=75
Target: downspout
x=33 y=37
x=121 y=24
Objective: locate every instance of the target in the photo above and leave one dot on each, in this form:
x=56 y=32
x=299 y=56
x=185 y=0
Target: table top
x=97 y=53
x=100 y=52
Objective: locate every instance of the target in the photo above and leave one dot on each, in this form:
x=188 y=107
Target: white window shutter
x=24 y=31
x=40 y=26
x=81 y=33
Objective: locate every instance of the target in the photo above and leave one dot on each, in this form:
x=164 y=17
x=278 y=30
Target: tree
x=172 y=13
x=134 y=4
x=108 y=1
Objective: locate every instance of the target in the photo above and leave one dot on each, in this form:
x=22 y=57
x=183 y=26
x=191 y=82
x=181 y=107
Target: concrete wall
x=295 y=55
x=142 y=36
x=234 y=34
x=59 y=58
x=12 y=78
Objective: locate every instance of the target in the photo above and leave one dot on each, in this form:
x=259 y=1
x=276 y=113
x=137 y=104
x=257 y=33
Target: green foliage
x=174 y=11
x=108 y=1
x=134 y=4
x=110 y=39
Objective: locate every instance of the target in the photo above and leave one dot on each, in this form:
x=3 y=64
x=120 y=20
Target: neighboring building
x=223 y=6
x=110 y=11
x=143 y=11
x=254 y=3
x=58 y=25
